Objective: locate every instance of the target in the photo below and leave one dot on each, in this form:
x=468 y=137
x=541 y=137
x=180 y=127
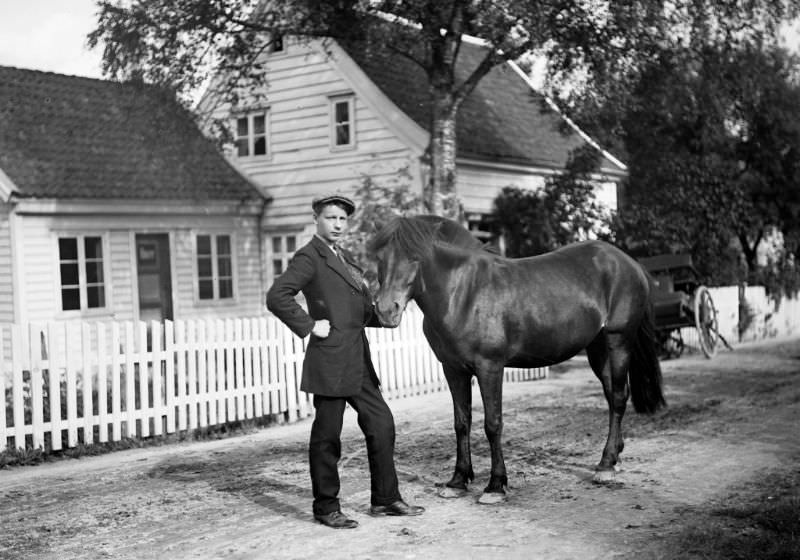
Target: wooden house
x=331 y=117
x=114 y=206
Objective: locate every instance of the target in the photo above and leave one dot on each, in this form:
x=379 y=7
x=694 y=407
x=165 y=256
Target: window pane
x=68 y=248
x=342 y=135
x=69 y=274
x=226 y=288
x=276 y=244
x=70 y=299
x=206 y=289
x=223 y=245
x=204 y=245
x=260 y=146
x=291 y=243
x=342 y=112
x=224 y=267
x=242 y=147
x=277 y=267
x=94 y=272
x=95 y=296
x=93 y=247
x=259 y=125
x=204 y=269
x=241 y=127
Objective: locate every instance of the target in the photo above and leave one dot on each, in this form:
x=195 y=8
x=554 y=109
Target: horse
x=483 y=312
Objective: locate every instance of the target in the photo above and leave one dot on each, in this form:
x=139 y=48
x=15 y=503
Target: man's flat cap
x=321 y=201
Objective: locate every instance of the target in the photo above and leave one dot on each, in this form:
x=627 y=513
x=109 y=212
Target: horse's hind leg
x=460 y=383
x=609 y=356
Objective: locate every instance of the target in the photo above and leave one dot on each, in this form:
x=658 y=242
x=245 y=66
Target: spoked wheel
x=705 y=320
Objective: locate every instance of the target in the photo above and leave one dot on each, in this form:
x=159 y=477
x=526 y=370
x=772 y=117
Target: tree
x=564 y=211
x=178 y=42
x=711 y=140
x=378 y=204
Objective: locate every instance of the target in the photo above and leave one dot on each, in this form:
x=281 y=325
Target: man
x=337 y=367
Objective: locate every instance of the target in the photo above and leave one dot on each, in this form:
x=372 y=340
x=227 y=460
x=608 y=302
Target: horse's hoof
x=604 y=476
x=490 y=498
x=448 y=492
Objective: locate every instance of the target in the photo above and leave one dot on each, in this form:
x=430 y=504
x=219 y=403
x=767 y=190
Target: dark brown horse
x=484 y=312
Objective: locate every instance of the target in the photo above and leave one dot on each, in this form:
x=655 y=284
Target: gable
x=72 y=137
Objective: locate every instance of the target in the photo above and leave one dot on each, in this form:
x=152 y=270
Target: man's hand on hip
x=321 y=329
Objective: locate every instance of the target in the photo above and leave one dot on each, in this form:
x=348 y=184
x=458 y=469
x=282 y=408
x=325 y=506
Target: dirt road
x=729 y=437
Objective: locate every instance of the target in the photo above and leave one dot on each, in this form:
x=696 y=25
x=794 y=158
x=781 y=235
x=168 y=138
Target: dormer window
x=342 y=123
x=251 y=135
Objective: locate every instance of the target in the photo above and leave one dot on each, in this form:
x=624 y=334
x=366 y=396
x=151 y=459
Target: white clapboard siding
x=77 y=383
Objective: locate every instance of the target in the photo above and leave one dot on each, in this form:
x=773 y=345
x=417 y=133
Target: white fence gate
x=71 y=383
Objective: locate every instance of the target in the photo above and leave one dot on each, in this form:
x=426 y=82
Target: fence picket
x=182 y=348
x=102 y=383
x=17 y=395
x=116 y=389
x=37 y=389
x=71 y=382
x=158 y=360
x=129 y=396
x=86 y=384
x=203 y=388
x=192 y=396
x=4 y=369
x=212 y=372
x=169 y=374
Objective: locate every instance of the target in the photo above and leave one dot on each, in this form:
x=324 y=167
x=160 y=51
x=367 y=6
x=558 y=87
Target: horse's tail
x=645 y=369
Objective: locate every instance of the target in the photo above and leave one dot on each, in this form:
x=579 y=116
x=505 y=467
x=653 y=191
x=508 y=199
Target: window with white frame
x=252 y=134
x=214 y=267
x=342 y=123
x=283 y=247
x=81 y=272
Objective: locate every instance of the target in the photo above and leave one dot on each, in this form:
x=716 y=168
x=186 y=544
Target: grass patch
x=759 y=522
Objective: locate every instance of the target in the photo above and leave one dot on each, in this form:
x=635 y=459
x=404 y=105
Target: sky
x=51 y=35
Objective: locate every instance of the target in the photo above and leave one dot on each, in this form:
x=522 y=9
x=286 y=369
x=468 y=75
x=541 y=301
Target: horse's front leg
x=490 y=381
x=459 y=382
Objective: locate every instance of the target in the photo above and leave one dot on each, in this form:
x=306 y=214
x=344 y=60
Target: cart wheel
x=705 y=319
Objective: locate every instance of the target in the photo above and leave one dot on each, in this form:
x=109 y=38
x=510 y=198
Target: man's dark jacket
x=333 y=366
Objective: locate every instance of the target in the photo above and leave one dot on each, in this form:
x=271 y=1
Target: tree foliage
x=566 y=210
x=179 y=42
x=376 y=204
x=712 y=158
x=705 y=113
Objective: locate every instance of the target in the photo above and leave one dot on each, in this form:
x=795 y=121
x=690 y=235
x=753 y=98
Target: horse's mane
x=415 y=236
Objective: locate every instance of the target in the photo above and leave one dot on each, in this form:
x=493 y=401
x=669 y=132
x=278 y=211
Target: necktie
x=354 y=272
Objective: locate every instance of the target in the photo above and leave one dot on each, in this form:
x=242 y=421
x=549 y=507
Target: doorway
x=154 y=277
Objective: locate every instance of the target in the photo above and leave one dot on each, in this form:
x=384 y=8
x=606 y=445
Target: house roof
x=81 y=138
x=504 y=119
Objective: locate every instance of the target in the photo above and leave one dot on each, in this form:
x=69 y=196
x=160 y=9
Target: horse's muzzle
x=390 y=315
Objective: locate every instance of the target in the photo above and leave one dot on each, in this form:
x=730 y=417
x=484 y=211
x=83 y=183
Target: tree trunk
x=750 y=251
x=440 y=192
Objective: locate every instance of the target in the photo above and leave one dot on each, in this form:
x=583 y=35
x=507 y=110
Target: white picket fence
x=72 y=383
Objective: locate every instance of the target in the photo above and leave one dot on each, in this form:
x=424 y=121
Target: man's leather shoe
x=397 y=508
x=336 y=520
